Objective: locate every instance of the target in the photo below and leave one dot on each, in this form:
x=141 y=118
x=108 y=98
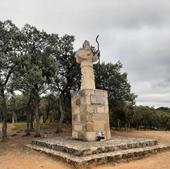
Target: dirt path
x=157 y=161
x=13 y=155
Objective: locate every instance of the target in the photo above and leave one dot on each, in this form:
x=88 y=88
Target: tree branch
x=9 y=74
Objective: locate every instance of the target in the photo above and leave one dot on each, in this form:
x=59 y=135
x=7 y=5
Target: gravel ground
x=13 y=155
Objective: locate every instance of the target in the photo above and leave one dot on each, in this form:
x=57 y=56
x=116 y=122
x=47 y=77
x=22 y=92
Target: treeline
x=38 y=73
x=142 y=117
x=128 y=116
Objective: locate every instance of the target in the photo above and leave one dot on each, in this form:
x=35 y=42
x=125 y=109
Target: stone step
x=130 y=154
x=81 y=148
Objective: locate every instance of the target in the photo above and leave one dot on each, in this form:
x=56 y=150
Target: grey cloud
x=156 y=100
x=145 y=54
x=88 y=13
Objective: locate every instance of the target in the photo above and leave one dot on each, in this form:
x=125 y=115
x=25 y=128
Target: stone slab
x=121 y=155
x=83 y=148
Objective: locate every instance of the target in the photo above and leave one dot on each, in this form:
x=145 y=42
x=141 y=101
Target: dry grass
x=13 y=155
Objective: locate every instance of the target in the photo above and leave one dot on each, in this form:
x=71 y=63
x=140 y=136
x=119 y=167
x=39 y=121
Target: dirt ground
x=13 y=154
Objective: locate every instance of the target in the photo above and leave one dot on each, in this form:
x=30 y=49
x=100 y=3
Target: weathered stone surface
x=81 y=135
x=91 y=113
x=89 y=136
x=102 y=157
x=98 y=126
x=91 y=109
x=81 y=152
x=83 y=118
x=114 y=144
x=76 y=117
x=75 y=134
x=100 y=109
x=78 y=127
x=78 y=101
x=89 y=127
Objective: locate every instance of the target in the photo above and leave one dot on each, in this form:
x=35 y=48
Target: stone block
x=89 y=117
x=107 y=131
x=99 y=117
x=83 y=118
x=99 y=92
x=81 y=135
x=90 y=136
x=106 y=109
x=77 y=127
x=75 y=109
x=100 y=109
x=88 y=92
x=74 y=134
x=76 y=117
x=98 y=126
x=77 y=102
x=83 y=108
x=89 y=127
x=91 y=109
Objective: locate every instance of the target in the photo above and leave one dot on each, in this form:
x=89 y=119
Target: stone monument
x=90 y=118
x=90 y=112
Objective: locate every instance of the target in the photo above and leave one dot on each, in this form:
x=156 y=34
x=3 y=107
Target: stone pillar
x=90 y=113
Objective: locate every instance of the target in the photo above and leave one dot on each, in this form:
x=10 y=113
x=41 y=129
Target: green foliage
x=38 y=67
x=109 y=77
x=49 y=108
x=150 y=118
x=168 y=124
x=17 y=107
x=10 y=38
x=68 y=78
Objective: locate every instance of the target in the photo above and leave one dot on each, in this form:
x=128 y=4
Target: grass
x=20 y=125
x=23 y=125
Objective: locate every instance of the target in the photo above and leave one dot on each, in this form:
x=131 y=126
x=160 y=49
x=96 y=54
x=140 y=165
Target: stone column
x=90 y=114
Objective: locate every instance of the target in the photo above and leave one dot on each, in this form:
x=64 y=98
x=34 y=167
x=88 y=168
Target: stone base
x=90 y=114
x=80 y=152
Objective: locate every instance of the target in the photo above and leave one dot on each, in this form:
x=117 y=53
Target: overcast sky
x=136 y=32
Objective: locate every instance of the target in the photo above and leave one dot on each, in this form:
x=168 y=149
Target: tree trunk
x=37 y=119
x=59 y=127
x=27 y=132
x=32 y=121
x=45 y=117
x=118 y=123
x=4 y=130
x=4 y=116
x=14 y=118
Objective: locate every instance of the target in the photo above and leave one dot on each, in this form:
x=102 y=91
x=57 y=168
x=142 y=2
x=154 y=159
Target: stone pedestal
x=90 y=114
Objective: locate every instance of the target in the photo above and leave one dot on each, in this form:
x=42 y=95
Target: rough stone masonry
x=90 y=113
